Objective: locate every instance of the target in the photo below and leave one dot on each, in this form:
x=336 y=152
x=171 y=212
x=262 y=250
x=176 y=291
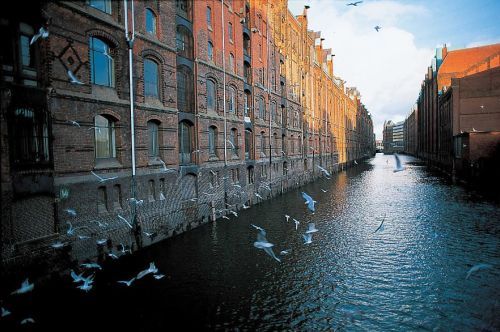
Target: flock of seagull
x=355 y=4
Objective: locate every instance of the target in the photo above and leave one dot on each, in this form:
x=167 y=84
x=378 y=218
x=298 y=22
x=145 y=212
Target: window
x=150 y=78
x=246 y=104
x=101 y=62
x=273 y=112
x=211 y=96
x=231 y=101
x=285 y=168
x=162 y=189
x=151 y=190
x=184 y=8
x=185 y=90
x=102 y=5
x=104 y=137
x=118 y=197
x=102 y=200
x=212 y=141
x=185 y=139
x=250 y=175
x=230 y=31
x=209 y=17
x=262 y=109
x=262 y=143
x=210 y=51
x=26 y=53
x=235 y=174
x=233 y=139
x=231 y=62
x=153 y=142
x=247 y=72
x=184 y=42
x=248 y=144
x=30 y=136
x=150 y=22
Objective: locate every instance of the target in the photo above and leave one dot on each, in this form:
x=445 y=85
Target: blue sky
x=388 y=66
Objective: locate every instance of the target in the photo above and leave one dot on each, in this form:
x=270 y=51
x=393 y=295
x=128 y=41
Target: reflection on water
x=409 y=275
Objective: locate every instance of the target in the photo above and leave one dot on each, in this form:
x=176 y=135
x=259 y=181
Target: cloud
x=386 y=66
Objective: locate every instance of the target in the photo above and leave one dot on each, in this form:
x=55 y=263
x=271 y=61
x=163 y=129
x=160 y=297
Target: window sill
x=105 y=163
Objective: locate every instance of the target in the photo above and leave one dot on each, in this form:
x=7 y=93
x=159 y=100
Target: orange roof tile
x=457 y=62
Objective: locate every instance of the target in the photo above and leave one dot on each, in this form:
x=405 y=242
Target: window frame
x=157 y=78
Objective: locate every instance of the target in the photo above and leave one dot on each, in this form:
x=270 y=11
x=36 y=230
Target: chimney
x=306 y=7
x=444 y=52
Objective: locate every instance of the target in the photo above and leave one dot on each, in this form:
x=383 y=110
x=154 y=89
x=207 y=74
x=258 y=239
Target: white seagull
x=399 y=166
x=126 y=282
x=296 y=223
x=152 y=269
x=125 y=221
x=158 y=276
x=25 y=288
x=311 y=228
x=258 y=195
x=42 y=33
x=71 y=212
x=309 y=201
x=57 y=245
x=260 y=229
x=477 y=267
x=74 y=123
x=327 y=174
x=103 y=179
x=91 y=266
x=5 y=312
x=73 y=79
x=287 y=217
x=307 y=238
x=27 y=320
x=262 y=243
x=76 y=277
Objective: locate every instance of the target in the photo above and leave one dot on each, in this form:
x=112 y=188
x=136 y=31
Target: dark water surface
x=410 y=275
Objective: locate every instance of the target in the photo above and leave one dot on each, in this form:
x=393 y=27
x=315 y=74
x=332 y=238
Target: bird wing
x=270 y=252
x=398 y=161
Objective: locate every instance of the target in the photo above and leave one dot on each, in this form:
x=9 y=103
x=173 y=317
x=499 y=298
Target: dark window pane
x=101 y=63
x=150 y=78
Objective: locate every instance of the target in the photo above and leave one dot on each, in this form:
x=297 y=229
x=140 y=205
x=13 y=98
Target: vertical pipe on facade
x=129 y=36
x=269 y=94
x=224 y=84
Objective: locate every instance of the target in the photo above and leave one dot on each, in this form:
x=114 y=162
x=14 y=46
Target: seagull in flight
x=137 y=202
x=87 y=284
x=25 y=288
x=158 y=276
x=285 y=252
x=57 y=245
x=83 y=237
x=309 y=201
x=74 y=123
x=123 y=251
x=381 y=226
x=103 y=179
x=101 y=241
x=258 y=195
x=164 y=167
x=125 y=221
x=311 y=228
x=478 y=267
x=73 y=79
x=287 y=217
x=112 y=255
x=71 y=212
x=307 y=238
x=245 y=207
x=296 y=223
x=399 y=166
x=262 y=243
x=42 y=33
x=91 y=266
x=5 y=312
x=76 y=277
x=355 y=4
x=323 y=190
x=327 y=174
x=27 y=320
x=260 y=229
x=355 y=162
x=377 y=28
x=151 y=269
x=126 y=282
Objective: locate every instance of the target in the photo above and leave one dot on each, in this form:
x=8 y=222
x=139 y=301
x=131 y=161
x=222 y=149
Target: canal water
x=408 y=275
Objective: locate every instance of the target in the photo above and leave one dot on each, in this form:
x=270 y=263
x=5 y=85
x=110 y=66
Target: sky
x=388 y=66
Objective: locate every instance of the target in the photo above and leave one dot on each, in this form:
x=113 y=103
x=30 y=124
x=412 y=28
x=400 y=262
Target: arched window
x=210 y=51
x=212 y=141
x=153 y=139
x=185 y=89
x=105 y=144
x=150 y=22
x=250 y=175
x=150 y=78
x=211 y=95
x=184 y=42
x=231 y=62
x=246 y=104
x=101 y=63
x=248 y=144
x=231 y=100
x=273 y=112
x=262 y=143
x=233 y=141
x=262 y=108
x=185 y=142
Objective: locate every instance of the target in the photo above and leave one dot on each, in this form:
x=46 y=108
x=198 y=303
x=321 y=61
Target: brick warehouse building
x=231 y=99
